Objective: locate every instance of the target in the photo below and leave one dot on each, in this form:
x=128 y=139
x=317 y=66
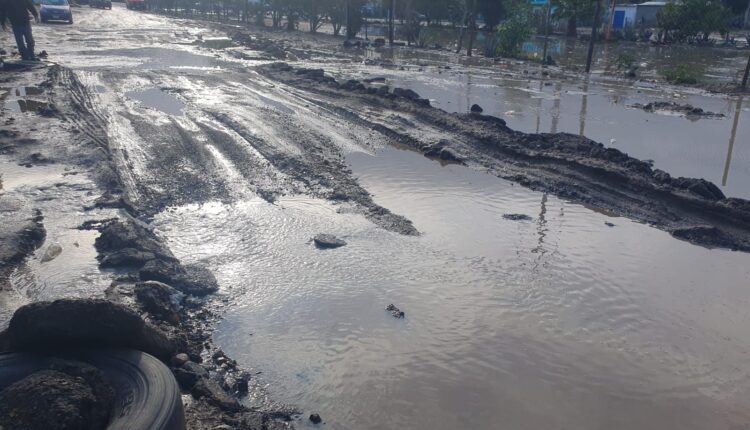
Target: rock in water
x=328 y=241
x=475 y=108
x=52 y=252
x=517 y=217
x=315 y=418
x=396 y=312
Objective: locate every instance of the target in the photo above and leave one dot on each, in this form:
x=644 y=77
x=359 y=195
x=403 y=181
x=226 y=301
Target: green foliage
x=510 y=35
x=624 y=61
x=684 y=74
x=693 y=20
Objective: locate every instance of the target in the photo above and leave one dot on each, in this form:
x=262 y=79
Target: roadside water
x=716 y=149
x=506 y=321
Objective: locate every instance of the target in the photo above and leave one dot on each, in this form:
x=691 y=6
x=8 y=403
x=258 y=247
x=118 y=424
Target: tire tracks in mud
x=569 y=166
x=130 y=248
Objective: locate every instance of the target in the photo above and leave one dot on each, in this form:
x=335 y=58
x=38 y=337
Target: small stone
x=315 y=418
x=328 y=241
x=180 y=359
x=608 y=224
x=475 y=108
x=395 y=312
x=517 y=217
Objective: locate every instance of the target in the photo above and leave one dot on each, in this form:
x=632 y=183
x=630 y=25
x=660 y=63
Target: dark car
x=101 y=4
x=55 y=10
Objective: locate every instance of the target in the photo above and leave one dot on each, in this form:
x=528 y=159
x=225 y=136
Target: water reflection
x=736 y=121
x=558 y=323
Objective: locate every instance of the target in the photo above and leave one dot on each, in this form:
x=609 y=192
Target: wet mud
x=138 y=310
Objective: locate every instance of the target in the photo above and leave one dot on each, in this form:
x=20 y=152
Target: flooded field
x=566 y=317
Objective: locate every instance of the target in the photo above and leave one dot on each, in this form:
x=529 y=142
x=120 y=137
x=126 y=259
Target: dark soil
x=68 y=396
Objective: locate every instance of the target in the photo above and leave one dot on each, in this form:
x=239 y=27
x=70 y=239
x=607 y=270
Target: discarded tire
x=147 y=396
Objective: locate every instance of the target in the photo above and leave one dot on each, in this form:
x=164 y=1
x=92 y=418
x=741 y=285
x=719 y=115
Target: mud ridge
x=571 y=167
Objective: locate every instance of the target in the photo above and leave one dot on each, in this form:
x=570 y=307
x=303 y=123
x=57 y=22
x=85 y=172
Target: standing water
x=508 y=323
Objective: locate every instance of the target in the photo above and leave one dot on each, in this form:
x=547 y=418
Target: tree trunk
x=572 y=26
x=594 y=26
x=472 y=26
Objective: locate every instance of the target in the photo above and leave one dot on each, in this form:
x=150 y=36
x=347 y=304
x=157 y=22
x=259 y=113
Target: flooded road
x=574 y=319
x=505 y=320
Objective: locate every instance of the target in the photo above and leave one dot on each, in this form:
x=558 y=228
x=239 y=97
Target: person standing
x=17 y=12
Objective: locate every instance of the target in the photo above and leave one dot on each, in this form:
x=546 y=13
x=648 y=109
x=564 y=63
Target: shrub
x=684 y=74
x=509 y=35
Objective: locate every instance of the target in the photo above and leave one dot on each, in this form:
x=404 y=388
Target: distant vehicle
x=55 y=10
x=135 y=4
x=101 y=4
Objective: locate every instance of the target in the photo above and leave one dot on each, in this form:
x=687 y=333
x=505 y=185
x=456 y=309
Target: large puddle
x=713 y=149
x=558 y=322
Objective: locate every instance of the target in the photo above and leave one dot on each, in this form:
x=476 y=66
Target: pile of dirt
x=68 y=395
x=681 y=109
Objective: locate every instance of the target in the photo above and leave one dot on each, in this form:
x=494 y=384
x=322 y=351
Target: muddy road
x=538 y=272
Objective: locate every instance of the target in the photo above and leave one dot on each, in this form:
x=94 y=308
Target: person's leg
x=29 y=42
x=19 y=32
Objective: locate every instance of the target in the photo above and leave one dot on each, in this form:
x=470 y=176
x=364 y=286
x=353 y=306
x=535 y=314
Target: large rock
x=194 y=280
x=51 y=399
x=118 y=236
x=160 y=300
x=70 y=323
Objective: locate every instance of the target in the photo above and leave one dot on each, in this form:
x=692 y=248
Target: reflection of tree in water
x=737 y=111
x=541 y=249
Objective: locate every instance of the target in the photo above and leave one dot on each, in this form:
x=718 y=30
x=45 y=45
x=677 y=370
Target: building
x=636 y=15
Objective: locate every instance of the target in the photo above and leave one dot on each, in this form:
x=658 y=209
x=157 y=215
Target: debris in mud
x=517 y=217
x=441 y=152
x=315 y=419
x=328 y=241
x=19 y=238
x=395 y=312
x=475 y=108
x=686 y=109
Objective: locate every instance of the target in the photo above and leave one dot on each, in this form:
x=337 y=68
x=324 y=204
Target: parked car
x=101 y=4
x=135 y=4
x=55 y=10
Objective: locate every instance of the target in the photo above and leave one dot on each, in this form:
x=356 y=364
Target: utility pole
x=546 y=31
x=610 y=20
x=472 y=28
x=348 y=20
x=594 y=26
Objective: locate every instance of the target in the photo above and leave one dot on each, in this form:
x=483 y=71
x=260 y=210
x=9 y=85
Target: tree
x=693 y=20
x=574 y=11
